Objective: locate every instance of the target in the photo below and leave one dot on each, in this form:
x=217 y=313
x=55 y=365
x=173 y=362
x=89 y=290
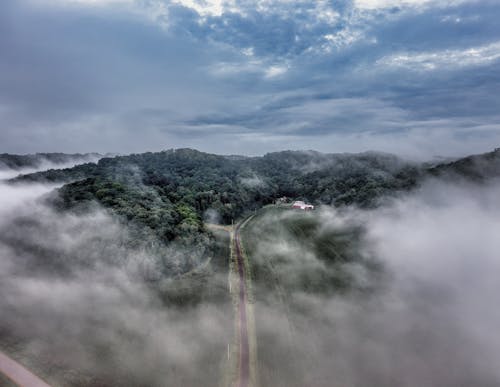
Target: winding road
x=18 y=374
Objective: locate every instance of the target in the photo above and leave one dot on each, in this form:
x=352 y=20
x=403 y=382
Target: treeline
x=10 y=161
x=171 y=192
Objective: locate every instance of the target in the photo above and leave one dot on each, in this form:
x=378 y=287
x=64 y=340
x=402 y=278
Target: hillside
x=19 y=162
x=168 y=194
x=475 y=167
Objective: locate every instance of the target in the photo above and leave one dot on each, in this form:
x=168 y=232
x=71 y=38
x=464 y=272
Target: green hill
x=18 y=162
x=165 y=196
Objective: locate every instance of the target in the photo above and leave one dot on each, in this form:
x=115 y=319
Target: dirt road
x=18 y=374
x=244 y=352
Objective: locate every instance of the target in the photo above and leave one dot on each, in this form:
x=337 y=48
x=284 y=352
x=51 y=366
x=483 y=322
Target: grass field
x=294 y=249
x=295 y=257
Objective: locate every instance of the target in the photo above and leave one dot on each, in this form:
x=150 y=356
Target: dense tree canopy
x=168 y=194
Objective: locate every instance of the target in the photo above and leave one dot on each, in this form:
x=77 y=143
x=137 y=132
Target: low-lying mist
x=412 y=301
x=43 y=164
x=431 y=320
x=77 y=306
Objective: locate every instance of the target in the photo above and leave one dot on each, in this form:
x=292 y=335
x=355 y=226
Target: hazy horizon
x=416 y=158
x=412 y=77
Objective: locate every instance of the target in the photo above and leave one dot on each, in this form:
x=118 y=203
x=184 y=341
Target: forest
x=168 y=196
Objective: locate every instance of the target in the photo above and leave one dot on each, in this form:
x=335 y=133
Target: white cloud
x=229 y=69
x=446 y=59
x=275 y=71
x=252 y=66
x=86 y=2
x=207 y=7
x=343 y=38
x=380 y=4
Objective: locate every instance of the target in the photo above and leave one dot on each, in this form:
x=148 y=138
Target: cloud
x=204 y=8
x=85 y=2
x=42 y=163
x=426 y=320
x=151 y=72
x=323 y=122
x=381 y=4
x=448 y=59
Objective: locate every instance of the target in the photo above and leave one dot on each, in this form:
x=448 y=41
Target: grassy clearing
x=292 y=253
x=292 y=250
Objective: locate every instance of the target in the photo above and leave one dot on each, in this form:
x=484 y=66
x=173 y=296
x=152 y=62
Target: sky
x=418 y=78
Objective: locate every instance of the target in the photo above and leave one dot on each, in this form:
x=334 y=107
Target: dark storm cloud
x=133 y=76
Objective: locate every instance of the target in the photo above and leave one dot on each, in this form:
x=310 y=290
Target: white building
x=302 y=206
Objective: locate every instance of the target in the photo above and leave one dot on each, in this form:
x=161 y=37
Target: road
x=244 y=351
x=18 y=374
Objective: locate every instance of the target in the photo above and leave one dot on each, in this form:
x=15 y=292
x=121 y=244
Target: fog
x=78 y=305
x=43 y=164
x=429 y=320
x=78 y=308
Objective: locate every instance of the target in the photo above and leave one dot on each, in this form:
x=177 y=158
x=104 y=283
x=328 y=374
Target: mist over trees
x=13 y=165
x=111 y=275
x=165 y=197
x=18 y=162
x=170 y=192
x=82 y=305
